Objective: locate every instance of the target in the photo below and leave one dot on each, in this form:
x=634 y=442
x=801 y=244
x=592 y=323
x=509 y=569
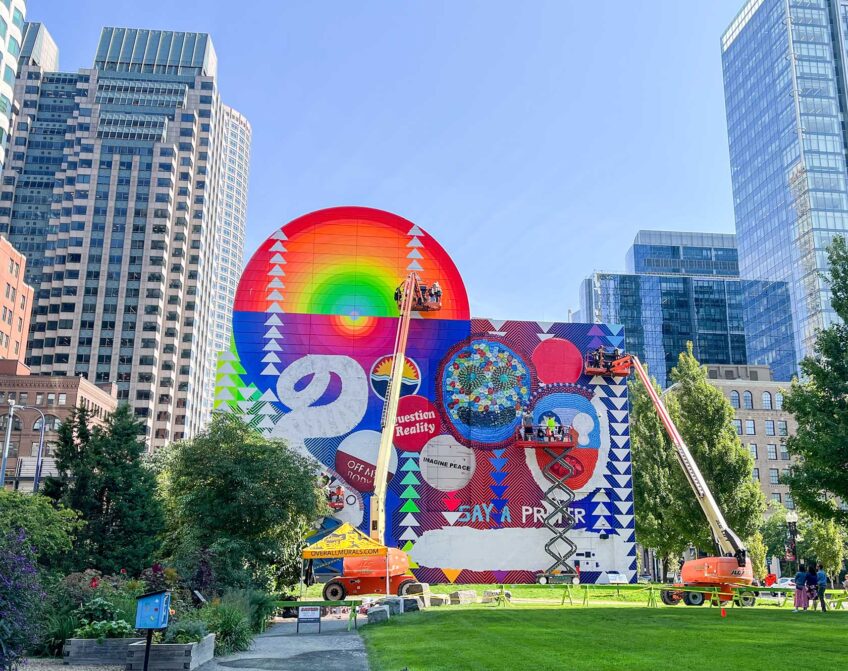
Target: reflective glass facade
x=115 y=187
x=684 y=287
x=784 y=78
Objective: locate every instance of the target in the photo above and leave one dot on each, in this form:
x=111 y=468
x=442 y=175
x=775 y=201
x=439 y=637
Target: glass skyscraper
x=679 y=287
x=785 y=83
x=114 y=189
x=12 y=15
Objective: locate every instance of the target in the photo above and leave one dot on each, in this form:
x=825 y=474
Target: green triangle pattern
x=409 y=493
x=409 y=466
x=409 y=507
x=410 y=479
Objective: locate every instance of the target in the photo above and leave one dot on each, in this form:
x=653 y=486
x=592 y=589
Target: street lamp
x=792 y=523
x=6 y=445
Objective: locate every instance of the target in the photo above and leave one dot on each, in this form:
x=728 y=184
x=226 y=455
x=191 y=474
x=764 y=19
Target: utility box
x=152 y=610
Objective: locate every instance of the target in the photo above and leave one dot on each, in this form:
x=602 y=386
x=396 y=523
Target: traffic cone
x=723 y=612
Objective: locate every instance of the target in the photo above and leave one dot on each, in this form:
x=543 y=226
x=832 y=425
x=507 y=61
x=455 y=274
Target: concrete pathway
x=280 y=649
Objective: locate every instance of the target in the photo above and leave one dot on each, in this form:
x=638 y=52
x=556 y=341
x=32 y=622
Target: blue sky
x=532 y=139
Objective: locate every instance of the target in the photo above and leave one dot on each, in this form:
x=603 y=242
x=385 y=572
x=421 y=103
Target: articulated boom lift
x=370 y=575
x=732 y=568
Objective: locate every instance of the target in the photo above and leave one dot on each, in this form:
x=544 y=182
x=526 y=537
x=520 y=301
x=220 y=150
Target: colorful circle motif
x=347 y=261
x=483 y=387
x=381 y=373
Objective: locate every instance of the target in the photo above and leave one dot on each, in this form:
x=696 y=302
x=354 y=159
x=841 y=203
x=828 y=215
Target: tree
x=670 y=513
x=655 y=475
x=820 y=472
x=825 y=541
x=705 y=422
x=102 y=476
x=49 y=529
x=775 y=531
x=238 y=499
x=757 y=552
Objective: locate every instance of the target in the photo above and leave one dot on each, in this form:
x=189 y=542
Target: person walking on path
x=821 y=586
x=801 y=600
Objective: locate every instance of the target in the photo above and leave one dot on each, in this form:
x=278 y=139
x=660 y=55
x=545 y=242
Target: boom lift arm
x=412 y=296
x=726 y=539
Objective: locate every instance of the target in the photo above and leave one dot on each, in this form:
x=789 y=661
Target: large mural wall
x=314 y=328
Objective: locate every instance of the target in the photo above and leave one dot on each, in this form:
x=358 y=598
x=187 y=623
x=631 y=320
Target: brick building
x=55 y=397
x=15 y=303
x=761 y=422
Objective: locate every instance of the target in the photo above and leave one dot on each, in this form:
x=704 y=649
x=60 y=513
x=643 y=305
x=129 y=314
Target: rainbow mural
x=314 y=325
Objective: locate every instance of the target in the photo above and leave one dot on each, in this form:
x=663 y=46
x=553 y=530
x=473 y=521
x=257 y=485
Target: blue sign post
x=151 y=613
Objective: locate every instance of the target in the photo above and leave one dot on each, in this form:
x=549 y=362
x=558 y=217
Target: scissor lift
x=556 y=444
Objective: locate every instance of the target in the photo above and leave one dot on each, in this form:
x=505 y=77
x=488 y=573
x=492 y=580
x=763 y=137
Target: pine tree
x=103 y=478
x=819 y=404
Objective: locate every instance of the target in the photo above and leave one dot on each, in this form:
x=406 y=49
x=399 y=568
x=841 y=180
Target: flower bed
x=171 y=656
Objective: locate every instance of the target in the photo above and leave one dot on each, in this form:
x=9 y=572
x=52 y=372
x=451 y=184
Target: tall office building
x=229 y=251
x=681 y=287
x=12 y=14
x=785 y=81
x=114 y=189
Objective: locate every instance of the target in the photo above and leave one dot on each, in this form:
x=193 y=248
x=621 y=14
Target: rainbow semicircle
x=347 y=262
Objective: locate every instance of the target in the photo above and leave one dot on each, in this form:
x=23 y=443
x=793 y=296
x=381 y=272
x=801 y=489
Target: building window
x=789 y=502
x=734 y=399
x=766 y=398
x=748 y=400
x=755 y=474
x=752 y=448
x=778 y=401
x=52 y=424
x=769 y=427
x=775 y=496
x=784 y=453
x=782 y=429
x=750 y=427
x=738 y=424
x=774 y=476
x=772 y=451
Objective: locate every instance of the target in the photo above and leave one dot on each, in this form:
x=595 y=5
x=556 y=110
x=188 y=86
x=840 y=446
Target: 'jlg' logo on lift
x=737 y=571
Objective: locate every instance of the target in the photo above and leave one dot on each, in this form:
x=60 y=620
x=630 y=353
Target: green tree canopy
x=656 y=476
x=820 y=405
x=49 y=529
x=103 y=478
x=667 y=511
x=238 y=498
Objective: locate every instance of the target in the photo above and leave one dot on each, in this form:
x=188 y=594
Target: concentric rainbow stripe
x=347 y=262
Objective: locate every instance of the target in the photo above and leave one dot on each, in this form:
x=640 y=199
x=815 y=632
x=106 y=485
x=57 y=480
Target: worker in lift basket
x=436 y=292
x=527 y=424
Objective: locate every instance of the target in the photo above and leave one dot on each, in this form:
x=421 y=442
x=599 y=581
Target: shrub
x=97 y=609
x=231 y=627
x=264 y=606
x=105 y=629
x=256 y=605
x=57 y=628
x=20 y=597
x=186 y=631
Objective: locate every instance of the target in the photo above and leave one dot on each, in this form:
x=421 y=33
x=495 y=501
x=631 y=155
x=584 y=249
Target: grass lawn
x=538 y=638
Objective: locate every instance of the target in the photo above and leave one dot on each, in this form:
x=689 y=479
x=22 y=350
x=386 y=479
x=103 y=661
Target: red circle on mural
x=417 y=422
x=557 y=360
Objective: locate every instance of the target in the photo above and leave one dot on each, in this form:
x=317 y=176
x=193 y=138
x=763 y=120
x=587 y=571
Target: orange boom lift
x=388 y=573
x=733 y=567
